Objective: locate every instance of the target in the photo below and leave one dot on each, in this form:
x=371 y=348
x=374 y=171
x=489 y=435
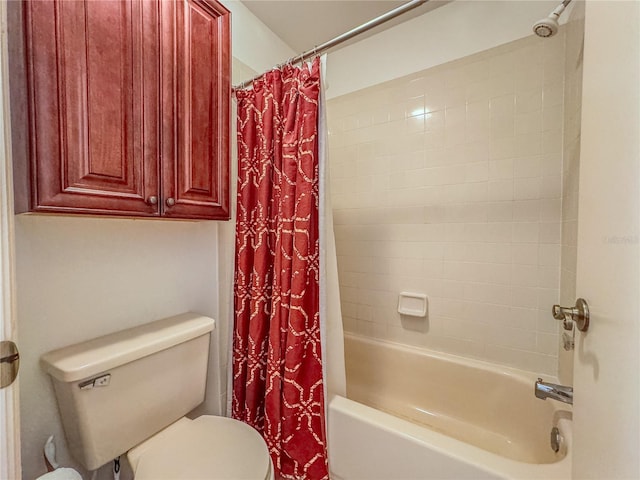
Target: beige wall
x=78 y=278
x=253 y=43
x=448 y=182
x=454 y=30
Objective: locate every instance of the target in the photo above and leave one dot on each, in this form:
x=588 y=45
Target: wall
x=571 y=174
x=79 y=278
x=448 y=182
x=253 y=43
x=452 y=31
x=82 y=277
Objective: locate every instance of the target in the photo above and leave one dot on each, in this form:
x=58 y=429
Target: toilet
x=129 y=392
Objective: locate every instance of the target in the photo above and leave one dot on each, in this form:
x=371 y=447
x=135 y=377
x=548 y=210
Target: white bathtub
x=412 y=414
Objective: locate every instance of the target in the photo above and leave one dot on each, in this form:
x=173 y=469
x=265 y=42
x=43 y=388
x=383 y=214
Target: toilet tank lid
x=85 y=359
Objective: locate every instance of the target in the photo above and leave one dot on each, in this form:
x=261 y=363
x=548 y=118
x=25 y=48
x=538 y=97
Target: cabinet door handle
x=171 y=202
x=152 y=200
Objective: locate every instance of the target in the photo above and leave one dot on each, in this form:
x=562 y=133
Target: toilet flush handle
x=116 y=468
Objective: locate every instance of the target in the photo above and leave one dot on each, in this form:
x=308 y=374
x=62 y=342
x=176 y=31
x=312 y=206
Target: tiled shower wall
x=448 y=182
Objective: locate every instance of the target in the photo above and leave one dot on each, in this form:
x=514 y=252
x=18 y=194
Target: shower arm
x=560 y=8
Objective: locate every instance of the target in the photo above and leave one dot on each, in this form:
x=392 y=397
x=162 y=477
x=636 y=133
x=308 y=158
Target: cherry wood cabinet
x=121 y=107
x=195 y=125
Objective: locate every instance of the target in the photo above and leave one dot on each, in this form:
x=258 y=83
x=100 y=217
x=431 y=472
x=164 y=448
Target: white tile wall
x=449 y=182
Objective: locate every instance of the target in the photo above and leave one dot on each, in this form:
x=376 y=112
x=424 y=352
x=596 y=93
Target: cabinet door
x=196 y=93
x=92 y=90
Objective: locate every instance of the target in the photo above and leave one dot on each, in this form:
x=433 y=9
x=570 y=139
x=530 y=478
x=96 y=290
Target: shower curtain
x=277 y=384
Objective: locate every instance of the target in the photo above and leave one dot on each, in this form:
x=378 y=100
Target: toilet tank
x=115 y=391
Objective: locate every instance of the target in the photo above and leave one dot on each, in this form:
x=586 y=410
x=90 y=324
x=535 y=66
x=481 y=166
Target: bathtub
x=416 y=414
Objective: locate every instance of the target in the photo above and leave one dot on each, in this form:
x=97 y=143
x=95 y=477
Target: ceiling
x=303 y=24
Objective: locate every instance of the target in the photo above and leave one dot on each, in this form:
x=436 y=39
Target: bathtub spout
x=554 y=391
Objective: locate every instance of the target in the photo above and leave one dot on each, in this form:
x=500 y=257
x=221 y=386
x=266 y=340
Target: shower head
x=547 y=27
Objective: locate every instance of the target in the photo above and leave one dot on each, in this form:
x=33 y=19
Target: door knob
x=9 y=363
x=152 y=200
x=171 y=202
x=579 y=314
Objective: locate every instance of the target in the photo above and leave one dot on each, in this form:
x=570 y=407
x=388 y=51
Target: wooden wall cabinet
x=121 y=107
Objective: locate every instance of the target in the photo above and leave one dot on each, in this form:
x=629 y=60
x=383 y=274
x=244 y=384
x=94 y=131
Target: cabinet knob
x=152 y=200
x=171 y=202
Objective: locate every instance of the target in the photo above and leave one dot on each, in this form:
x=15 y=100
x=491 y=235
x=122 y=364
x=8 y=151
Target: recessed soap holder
x=412 y=304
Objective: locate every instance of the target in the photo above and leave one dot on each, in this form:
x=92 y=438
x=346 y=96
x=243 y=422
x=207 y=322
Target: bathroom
x=80 y=277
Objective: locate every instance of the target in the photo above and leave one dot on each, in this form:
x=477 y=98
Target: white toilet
x=129 y=392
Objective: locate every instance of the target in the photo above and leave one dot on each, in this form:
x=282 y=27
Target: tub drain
x=556 y=439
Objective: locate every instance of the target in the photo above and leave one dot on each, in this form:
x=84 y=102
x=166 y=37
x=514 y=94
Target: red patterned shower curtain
x=277 y=362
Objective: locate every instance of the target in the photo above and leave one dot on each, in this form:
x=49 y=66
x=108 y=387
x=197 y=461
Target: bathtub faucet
x=545 y=390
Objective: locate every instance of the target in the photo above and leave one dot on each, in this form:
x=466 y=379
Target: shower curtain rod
x=385 y=17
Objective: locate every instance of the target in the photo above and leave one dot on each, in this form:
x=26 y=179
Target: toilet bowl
x=192 y=449
x=129 y=392
x=61 y=474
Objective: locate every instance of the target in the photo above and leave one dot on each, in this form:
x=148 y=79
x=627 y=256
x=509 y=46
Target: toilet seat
x=209 y=447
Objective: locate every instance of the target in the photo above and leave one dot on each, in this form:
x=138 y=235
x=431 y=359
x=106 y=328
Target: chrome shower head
x=547 y=27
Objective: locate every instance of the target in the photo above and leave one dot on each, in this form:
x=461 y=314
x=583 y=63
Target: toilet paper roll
x=61 y=474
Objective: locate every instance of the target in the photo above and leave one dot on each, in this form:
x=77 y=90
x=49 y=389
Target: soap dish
x=412 y=304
